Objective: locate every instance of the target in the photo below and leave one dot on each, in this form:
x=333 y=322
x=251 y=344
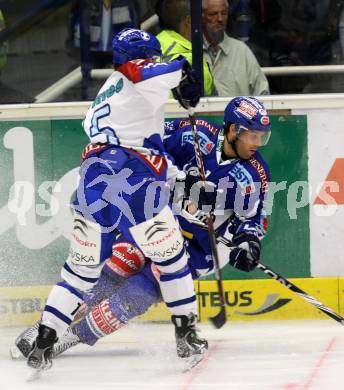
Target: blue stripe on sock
x=58 y=314
x=89 y=280
x=181 y=302
x=168 y=277
x=71 y=289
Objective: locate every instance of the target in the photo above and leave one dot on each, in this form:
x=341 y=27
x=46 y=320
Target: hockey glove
x=247 y=253
x=199 y=194
x=189 y=89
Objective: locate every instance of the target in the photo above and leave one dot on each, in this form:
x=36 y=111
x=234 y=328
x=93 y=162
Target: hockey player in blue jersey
x=114 y=198
x=237 y=175
x=238 y=179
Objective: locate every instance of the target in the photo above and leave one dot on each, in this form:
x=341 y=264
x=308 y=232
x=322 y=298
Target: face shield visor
x=253 y=137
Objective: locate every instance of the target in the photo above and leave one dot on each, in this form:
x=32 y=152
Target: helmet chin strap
x=233 y=145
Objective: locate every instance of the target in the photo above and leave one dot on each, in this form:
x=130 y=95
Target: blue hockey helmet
x=130 y=44
x=248 y=114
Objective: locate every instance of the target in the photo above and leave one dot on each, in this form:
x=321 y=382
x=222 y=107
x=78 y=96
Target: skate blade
x=192 y=361
x=15 y=353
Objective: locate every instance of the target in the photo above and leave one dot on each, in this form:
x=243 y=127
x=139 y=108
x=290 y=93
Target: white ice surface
x=286 y=355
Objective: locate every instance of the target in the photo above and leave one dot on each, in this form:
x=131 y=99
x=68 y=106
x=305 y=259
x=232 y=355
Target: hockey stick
x=285 y=282
x=220 y=319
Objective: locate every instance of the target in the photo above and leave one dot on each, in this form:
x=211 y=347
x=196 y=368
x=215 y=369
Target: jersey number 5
x=102 y=134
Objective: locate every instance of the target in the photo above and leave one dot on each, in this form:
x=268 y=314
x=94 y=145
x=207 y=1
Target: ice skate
x=190 y=347
x=40 y=357
x=68 y=340
x=23 y=343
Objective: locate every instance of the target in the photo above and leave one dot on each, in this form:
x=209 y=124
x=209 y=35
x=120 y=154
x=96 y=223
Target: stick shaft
x=291 y=286
x=211 y=230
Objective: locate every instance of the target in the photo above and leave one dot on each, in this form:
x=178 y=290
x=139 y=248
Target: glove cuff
x=245 y=237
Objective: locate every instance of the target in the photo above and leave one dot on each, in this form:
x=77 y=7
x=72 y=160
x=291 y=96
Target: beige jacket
x=235 y=70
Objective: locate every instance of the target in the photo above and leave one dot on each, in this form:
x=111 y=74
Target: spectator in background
x=175 y=38
x=233 y=65
x=8 y=95
x=294 y=33
x=107 y=18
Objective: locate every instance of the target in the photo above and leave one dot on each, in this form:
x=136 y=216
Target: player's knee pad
x=160 y=239
x=84 y=264
x=126 y=259
x=85 y=242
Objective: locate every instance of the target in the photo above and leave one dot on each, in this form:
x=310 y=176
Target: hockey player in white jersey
x=123 y=191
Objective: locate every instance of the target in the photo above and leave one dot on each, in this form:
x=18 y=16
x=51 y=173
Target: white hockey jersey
x=129 y=108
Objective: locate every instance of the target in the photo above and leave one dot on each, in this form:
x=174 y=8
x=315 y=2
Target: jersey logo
x=262 y=174
x=246 y=109
x=158 y=226
x=199 y=122
x=108 y=92
x=204 y=142
x=243 y=178
x=156 y=163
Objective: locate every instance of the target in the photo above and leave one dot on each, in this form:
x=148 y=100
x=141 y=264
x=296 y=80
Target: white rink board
x=288 y=355
x=325 y=145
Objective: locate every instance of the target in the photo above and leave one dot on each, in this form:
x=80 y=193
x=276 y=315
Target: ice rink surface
x=286 y=355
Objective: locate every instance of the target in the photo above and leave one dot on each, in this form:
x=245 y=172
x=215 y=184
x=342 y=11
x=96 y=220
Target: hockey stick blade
x=220 y=319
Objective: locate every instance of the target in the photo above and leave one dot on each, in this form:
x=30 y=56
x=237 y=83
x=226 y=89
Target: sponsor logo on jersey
x=108 y=93
x=173 y=250
x=243 y=178
x=204 y=142
x=81 y=226
x=161 y=239
x=157 y=163
x=79 y=258
x=262 y=174
x=84 y=242
x=158 y=226
x=199 y=122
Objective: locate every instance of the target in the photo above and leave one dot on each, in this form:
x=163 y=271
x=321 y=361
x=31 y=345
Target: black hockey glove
x=246 y=256
x=199 y=194
x=189 y=89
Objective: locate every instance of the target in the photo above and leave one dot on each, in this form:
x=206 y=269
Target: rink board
x=245 y=299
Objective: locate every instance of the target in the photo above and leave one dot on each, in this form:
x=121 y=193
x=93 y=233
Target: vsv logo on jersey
x=205 y=144
x=108 y=92
x=243 y=178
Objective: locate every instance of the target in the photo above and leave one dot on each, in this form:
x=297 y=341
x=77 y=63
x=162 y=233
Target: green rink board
x=57 y=146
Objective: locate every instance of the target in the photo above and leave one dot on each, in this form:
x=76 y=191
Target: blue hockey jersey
x=241 y=185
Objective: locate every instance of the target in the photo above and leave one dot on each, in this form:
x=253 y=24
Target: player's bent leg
x=126 y=260
x=132 y=299
x=80 y=273
x=160 y=239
